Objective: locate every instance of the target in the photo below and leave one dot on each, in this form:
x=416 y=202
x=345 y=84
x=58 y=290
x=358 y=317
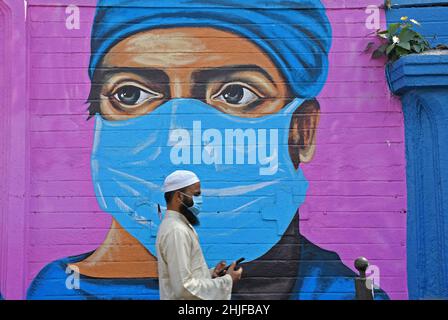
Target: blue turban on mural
x=296 y=34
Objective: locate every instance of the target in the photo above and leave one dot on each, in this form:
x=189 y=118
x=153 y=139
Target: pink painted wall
x=356 y=204
x=14 y=156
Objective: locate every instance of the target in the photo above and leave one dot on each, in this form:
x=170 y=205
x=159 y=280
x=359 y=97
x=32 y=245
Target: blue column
x=422 y=83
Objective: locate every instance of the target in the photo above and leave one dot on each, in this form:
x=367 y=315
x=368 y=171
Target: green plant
x=398 y=40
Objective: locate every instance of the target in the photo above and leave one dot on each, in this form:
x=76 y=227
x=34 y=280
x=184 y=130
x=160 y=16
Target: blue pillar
x=422 y=83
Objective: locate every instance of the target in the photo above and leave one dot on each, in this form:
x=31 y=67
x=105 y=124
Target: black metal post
x=363 y=286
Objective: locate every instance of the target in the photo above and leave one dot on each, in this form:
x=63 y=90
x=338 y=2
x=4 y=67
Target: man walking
x=183 y=272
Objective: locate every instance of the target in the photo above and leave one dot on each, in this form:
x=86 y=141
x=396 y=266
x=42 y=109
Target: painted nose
x=180 y=88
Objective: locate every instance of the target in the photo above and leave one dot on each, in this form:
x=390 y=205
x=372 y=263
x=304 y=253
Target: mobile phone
x=227 y=267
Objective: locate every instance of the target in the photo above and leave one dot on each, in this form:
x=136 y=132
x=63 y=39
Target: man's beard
x=194 y=221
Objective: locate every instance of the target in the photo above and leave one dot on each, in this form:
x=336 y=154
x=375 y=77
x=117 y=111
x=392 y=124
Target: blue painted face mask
x=252 y=188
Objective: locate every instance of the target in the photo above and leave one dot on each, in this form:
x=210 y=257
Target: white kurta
x=183 y=272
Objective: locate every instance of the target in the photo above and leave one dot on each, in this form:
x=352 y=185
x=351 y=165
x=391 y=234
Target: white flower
x=415 y=22
x=395 y=39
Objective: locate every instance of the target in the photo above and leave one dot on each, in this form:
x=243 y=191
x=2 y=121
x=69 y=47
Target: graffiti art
x=229 y=90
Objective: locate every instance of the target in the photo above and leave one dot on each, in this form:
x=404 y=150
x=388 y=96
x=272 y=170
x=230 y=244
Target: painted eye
x=133 y=96
x=236 y=94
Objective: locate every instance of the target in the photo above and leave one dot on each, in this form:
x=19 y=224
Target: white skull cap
x=179 y=179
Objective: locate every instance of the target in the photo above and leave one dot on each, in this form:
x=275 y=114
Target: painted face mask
x=251 y=185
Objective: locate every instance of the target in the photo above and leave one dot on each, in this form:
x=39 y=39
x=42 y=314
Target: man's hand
x=219 y=267
x=236 y=275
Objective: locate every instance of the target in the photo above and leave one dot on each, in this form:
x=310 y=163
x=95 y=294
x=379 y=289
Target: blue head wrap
x=296 y=34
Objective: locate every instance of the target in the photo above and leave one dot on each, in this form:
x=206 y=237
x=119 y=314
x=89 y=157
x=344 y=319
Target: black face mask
x=188 y=202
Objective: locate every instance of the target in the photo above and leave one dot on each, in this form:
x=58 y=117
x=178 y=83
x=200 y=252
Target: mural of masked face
x=230 y=125
x=206 y=100
x=227 y=90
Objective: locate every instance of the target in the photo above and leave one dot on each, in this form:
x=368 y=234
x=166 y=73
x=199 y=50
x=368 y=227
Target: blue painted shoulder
x=53 y=283
x=323 y=276
x=50 y=283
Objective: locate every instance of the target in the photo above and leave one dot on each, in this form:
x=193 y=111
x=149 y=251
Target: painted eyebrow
x=197 y=76
x=207 y=74
x=148 y=73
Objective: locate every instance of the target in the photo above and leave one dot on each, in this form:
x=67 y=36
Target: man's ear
x=302 y=132
x=179 y=197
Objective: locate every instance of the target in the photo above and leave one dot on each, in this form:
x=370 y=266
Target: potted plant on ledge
x=399 y=39
x=403 y=47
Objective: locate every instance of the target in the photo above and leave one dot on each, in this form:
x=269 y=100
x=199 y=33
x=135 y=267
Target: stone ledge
x=417 y=3
x=427 y=70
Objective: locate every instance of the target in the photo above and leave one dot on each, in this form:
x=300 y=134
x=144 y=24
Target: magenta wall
x=356 y=204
